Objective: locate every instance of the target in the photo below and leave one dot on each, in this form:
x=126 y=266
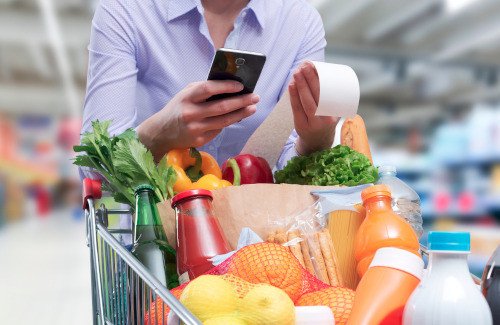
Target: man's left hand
x=315 y=132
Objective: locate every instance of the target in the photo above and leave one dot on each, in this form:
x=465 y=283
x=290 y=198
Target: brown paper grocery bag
x=255 y=205
x=250 y=206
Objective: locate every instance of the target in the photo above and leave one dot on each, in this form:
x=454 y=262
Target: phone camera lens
x=240 y=61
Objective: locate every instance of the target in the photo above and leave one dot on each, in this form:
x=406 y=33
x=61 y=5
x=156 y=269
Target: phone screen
x=241 y=66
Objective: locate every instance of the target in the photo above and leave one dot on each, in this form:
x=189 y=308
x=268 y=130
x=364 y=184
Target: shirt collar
x=177 y=8
x=258 y=7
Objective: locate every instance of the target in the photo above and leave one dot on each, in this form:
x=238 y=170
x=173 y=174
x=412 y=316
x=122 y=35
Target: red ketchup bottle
x=199 y=235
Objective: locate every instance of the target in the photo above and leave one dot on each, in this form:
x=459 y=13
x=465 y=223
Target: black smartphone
x=241 y=66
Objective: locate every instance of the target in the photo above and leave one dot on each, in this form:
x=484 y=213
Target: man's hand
x=315 y=132
x=189 y=121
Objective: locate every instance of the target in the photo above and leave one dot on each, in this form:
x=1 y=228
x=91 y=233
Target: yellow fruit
x=265 y=304
x=225 y=320
x=209 y=296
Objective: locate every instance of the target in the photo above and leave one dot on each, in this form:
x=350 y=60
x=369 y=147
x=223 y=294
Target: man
x=149 y=61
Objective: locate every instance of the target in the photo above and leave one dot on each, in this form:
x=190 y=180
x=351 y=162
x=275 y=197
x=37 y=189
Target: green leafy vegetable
x=336 y=166
x=125 y=163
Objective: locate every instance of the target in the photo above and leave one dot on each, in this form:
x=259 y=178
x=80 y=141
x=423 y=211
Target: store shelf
x=478 y=160
x=429 y=212
x=28 y=173
x=492 y=202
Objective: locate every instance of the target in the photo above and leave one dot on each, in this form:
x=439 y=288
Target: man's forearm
x=152 y=135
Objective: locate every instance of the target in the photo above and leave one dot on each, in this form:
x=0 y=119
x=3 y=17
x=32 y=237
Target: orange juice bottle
x=381 y=228
x=382 y=293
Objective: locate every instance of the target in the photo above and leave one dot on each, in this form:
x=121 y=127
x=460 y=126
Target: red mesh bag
x=340 y=300
x=275 y=265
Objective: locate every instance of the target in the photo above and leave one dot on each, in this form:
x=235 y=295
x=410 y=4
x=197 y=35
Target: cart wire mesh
x=123 y=290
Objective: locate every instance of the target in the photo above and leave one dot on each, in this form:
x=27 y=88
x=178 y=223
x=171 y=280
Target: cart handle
x=91 y=190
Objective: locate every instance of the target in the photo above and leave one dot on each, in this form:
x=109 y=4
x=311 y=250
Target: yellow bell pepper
x=197 y=170
x=189 y=158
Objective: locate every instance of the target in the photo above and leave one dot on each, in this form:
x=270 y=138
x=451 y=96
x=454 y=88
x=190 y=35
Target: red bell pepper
x=253 y=170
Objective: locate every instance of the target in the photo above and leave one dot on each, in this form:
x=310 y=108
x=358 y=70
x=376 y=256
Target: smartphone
x=241 y=66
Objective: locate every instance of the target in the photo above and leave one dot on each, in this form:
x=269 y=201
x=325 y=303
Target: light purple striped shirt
x=143 y=52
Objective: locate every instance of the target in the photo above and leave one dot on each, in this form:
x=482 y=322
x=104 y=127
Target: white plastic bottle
x=447 y=294
x=405 y=201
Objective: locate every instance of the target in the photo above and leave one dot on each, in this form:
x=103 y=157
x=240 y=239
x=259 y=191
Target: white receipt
x=339 y=90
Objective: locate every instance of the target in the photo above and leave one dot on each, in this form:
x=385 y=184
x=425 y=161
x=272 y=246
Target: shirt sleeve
x=312 y=48
x=112 y=71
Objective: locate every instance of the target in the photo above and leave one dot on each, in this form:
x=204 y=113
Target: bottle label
x=184 y=278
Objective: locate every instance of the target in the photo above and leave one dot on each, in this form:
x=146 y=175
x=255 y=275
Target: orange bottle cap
x=375 y=190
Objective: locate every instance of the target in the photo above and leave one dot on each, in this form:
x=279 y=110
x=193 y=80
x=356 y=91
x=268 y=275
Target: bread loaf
x=354 y=136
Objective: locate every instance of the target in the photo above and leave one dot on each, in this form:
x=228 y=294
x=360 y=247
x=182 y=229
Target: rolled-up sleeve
x=313 y=49
x=112 y=71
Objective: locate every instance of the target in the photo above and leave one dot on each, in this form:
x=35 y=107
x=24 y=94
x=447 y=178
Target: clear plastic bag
x=308 y=239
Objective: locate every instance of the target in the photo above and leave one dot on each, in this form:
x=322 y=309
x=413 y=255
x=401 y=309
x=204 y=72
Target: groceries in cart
x=383 y=291
x=199 y=235
x=315 y=248
x=447 y=294
x=491 y=284
x=382 y=227
x=405 y=201
x=151 y=246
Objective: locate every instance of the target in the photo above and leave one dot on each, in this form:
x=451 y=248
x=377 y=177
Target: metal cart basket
x=123 y=290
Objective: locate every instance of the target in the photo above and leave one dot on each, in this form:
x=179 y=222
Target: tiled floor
x=44 y=272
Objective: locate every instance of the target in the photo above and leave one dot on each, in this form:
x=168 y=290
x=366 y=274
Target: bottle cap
x=318 y=315
x=190 y=194
x=375 y=190
x=143 y=187
x=399 y=259
x=387 y=169
x=449 y=241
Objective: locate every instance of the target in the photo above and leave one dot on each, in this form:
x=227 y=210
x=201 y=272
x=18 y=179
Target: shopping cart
x=123 y=290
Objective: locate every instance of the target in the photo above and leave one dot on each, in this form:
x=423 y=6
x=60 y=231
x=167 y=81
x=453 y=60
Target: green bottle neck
x=146 y=212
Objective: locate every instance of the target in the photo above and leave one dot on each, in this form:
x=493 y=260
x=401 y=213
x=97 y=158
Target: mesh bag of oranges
x=259 y=284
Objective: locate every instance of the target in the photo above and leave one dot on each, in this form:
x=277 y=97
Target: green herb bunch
x=125 y=163
x=336 y=166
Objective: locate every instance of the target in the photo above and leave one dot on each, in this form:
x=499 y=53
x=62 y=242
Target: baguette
x=329 y=255
x=354 y=136
x=295 y=249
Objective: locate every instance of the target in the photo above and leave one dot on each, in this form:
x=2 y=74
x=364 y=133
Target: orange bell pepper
x=197 y=170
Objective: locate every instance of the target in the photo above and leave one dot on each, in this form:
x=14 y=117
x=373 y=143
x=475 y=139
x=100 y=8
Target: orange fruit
x=269 y=263
x=340 y=300
x=160 y=310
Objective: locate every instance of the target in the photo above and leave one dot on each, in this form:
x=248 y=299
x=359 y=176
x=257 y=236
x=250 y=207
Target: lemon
x=225 y=320
x=265 y=304
x=209 y=296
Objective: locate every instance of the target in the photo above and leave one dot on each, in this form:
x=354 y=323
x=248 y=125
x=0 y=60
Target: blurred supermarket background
x=430 y=96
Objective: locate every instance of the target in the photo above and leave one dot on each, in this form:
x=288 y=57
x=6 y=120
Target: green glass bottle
x=151 y=246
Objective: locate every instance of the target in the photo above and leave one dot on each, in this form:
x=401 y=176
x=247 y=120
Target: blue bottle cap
x=449 y=241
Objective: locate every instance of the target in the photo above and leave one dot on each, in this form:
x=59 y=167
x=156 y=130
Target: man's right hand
x=189 y=121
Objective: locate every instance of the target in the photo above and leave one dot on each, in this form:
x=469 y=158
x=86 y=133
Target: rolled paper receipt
x=339 y=90
x=339 y=97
